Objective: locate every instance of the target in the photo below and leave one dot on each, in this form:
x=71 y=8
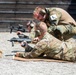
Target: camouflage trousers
x=56 y=49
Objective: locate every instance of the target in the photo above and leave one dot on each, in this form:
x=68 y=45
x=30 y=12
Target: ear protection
x=42 y=11
x=31 y=23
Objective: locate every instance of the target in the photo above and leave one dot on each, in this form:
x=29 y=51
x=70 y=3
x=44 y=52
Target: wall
x=14 y=12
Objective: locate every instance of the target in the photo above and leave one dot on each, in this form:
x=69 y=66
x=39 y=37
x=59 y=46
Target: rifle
x=22 y=37
x=18 y=28
x=14 y=39
x=28 y=48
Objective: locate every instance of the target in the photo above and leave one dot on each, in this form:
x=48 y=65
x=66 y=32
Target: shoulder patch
x=53 y=17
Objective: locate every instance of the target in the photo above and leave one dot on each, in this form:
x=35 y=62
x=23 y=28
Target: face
x=30 y=25
x=29 y=28
x=39 y=16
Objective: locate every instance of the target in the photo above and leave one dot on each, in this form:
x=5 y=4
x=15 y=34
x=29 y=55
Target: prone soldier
x=51 y=47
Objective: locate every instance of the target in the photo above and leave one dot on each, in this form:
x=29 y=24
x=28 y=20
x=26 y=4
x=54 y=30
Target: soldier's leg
x=66 y=29
x=65 y=32
x=58 y=31
x=71 y=29
x=70 y=54
x=61 y=50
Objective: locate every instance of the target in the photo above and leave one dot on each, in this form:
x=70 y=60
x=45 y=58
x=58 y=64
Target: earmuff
x=43 y=12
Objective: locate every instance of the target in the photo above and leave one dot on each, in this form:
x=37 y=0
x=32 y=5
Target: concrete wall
x=14 y=12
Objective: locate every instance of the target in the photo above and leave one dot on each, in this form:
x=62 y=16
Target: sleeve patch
x=53 y=17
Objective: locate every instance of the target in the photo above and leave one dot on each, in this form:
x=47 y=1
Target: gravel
x=8 y=66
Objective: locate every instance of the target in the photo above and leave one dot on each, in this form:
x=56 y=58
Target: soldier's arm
x=54 y=17
x=42 y=31
x=38 y=50
x=40 y=47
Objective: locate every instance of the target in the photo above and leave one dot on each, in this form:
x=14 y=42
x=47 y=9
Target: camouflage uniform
x=60 y=23
x=34 y=33
x=53 y=48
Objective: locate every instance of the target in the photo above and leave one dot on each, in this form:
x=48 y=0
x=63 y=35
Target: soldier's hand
x=19 y=32
x=24 y=44
x=35 y=40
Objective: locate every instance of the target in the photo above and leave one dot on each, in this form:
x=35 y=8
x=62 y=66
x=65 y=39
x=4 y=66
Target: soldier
x=59 y=22
x=36 y=31
x=32 y=29
x=51 y=47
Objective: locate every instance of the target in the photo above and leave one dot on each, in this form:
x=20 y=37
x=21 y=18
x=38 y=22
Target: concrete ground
x=8 y=66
